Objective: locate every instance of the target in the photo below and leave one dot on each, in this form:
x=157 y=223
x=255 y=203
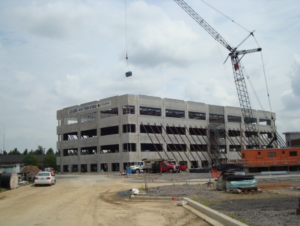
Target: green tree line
x=30 y=159
x=39 y=151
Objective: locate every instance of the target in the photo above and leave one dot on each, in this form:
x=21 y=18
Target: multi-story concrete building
x=114 y=132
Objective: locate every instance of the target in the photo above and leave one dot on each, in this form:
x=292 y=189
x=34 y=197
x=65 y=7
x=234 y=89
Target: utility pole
x=3 y=141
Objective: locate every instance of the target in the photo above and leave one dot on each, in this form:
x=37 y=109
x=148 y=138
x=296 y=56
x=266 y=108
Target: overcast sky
x=55 y=54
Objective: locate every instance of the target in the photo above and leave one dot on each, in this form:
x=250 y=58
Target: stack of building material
x=30 y=171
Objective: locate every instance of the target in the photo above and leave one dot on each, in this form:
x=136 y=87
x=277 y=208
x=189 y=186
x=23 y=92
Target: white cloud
x=55 y=54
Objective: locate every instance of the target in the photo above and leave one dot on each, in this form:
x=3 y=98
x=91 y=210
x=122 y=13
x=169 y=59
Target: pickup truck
x=159 y=165
x=181 y=167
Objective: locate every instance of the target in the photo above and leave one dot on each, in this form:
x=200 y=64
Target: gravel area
x=274 y=206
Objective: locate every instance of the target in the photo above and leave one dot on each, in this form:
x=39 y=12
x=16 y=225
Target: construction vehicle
x=271 y=159
x=159 y=166
x=235 y=56
x=181 y=166
x=137 y=167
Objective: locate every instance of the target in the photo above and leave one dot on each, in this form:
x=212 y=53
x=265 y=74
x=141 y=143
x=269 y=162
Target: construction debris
x=30 y=171
x=135 y=191
x=181 y=203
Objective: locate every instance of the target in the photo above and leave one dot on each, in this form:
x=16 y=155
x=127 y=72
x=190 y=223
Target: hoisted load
x=128 y=74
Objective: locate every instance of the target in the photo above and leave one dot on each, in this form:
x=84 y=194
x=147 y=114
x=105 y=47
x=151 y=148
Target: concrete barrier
x=211 y=216
x=217 y=216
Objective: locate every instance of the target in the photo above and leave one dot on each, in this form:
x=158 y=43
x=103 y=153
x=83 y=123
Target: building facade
x=112 y=133
x=292 y=139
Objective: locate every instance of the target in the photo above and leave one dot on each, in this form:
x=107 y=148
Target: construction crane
x=235 y=56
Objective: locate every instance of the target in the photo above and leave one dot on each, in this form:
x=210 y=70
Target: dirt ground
x=87 y=200
x=275 y=205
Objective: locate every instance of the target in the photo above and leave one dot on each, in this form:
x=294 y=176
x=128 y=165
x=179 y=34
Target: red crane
x=235 y=56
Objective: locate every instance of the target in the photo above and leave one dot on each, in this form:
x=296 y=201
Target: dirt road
x=87 y=200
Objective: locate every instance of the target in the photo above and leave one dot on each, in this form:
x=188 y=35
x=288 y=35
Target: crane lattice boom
x=236 y=66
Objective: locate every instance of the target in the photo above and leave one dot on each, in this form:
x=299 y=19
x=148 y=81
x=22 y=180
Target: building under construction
x=112 y=133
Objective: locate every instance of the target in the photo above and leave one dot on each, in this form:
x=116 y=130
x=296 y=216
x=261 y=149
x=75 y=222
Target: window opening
x=104 y=167
x=197 y=131
x=197 y=115
x=70 y=120
x=150 y=129
x=176 y=147
x=236 y=119
x=175 y=113
x=88 y=133
x=252 y=121
x=198 y=147
x=234 y=148
x=66 y=168
x=150 y=147
x=70 y=136
x=194 y=164
x=109 y=130
x=74 y=168
x=109 y=113
x=204 y=163
x=129 y=147
x=251 y=133
x=83 y=168
x=264 y=122
x=272 y=154
x=107 y=149
x=88 y=150
x=129 y=128
x=150 y=111
x=214 y=118
x=94 y=167
x=128 y=109
x=175 y=130
x=89 y=117
x=70 y=152
x=234 y=133
x=115 y=167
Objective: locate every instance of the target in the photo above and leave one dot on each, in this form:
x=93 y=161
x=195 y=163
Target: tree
x=4 y=153
x=14 y=152
x=39 y=150
x=50 y=161
x=30 y=159
x=50 y=151
x=25 y=152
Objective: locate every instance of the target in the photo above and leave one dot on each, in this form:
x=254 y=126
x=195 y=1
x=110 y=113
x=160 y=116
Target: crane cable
x=126 y=34
x=229 y=78
x=263 y=65
x=226 y=16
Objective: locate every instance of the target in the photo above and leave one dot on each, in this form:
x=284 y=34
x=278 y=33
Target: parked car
x=44 y=178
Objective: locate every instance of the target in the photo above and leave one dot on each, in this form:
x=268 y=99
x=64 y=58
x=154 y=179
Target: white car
x=43 y=178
